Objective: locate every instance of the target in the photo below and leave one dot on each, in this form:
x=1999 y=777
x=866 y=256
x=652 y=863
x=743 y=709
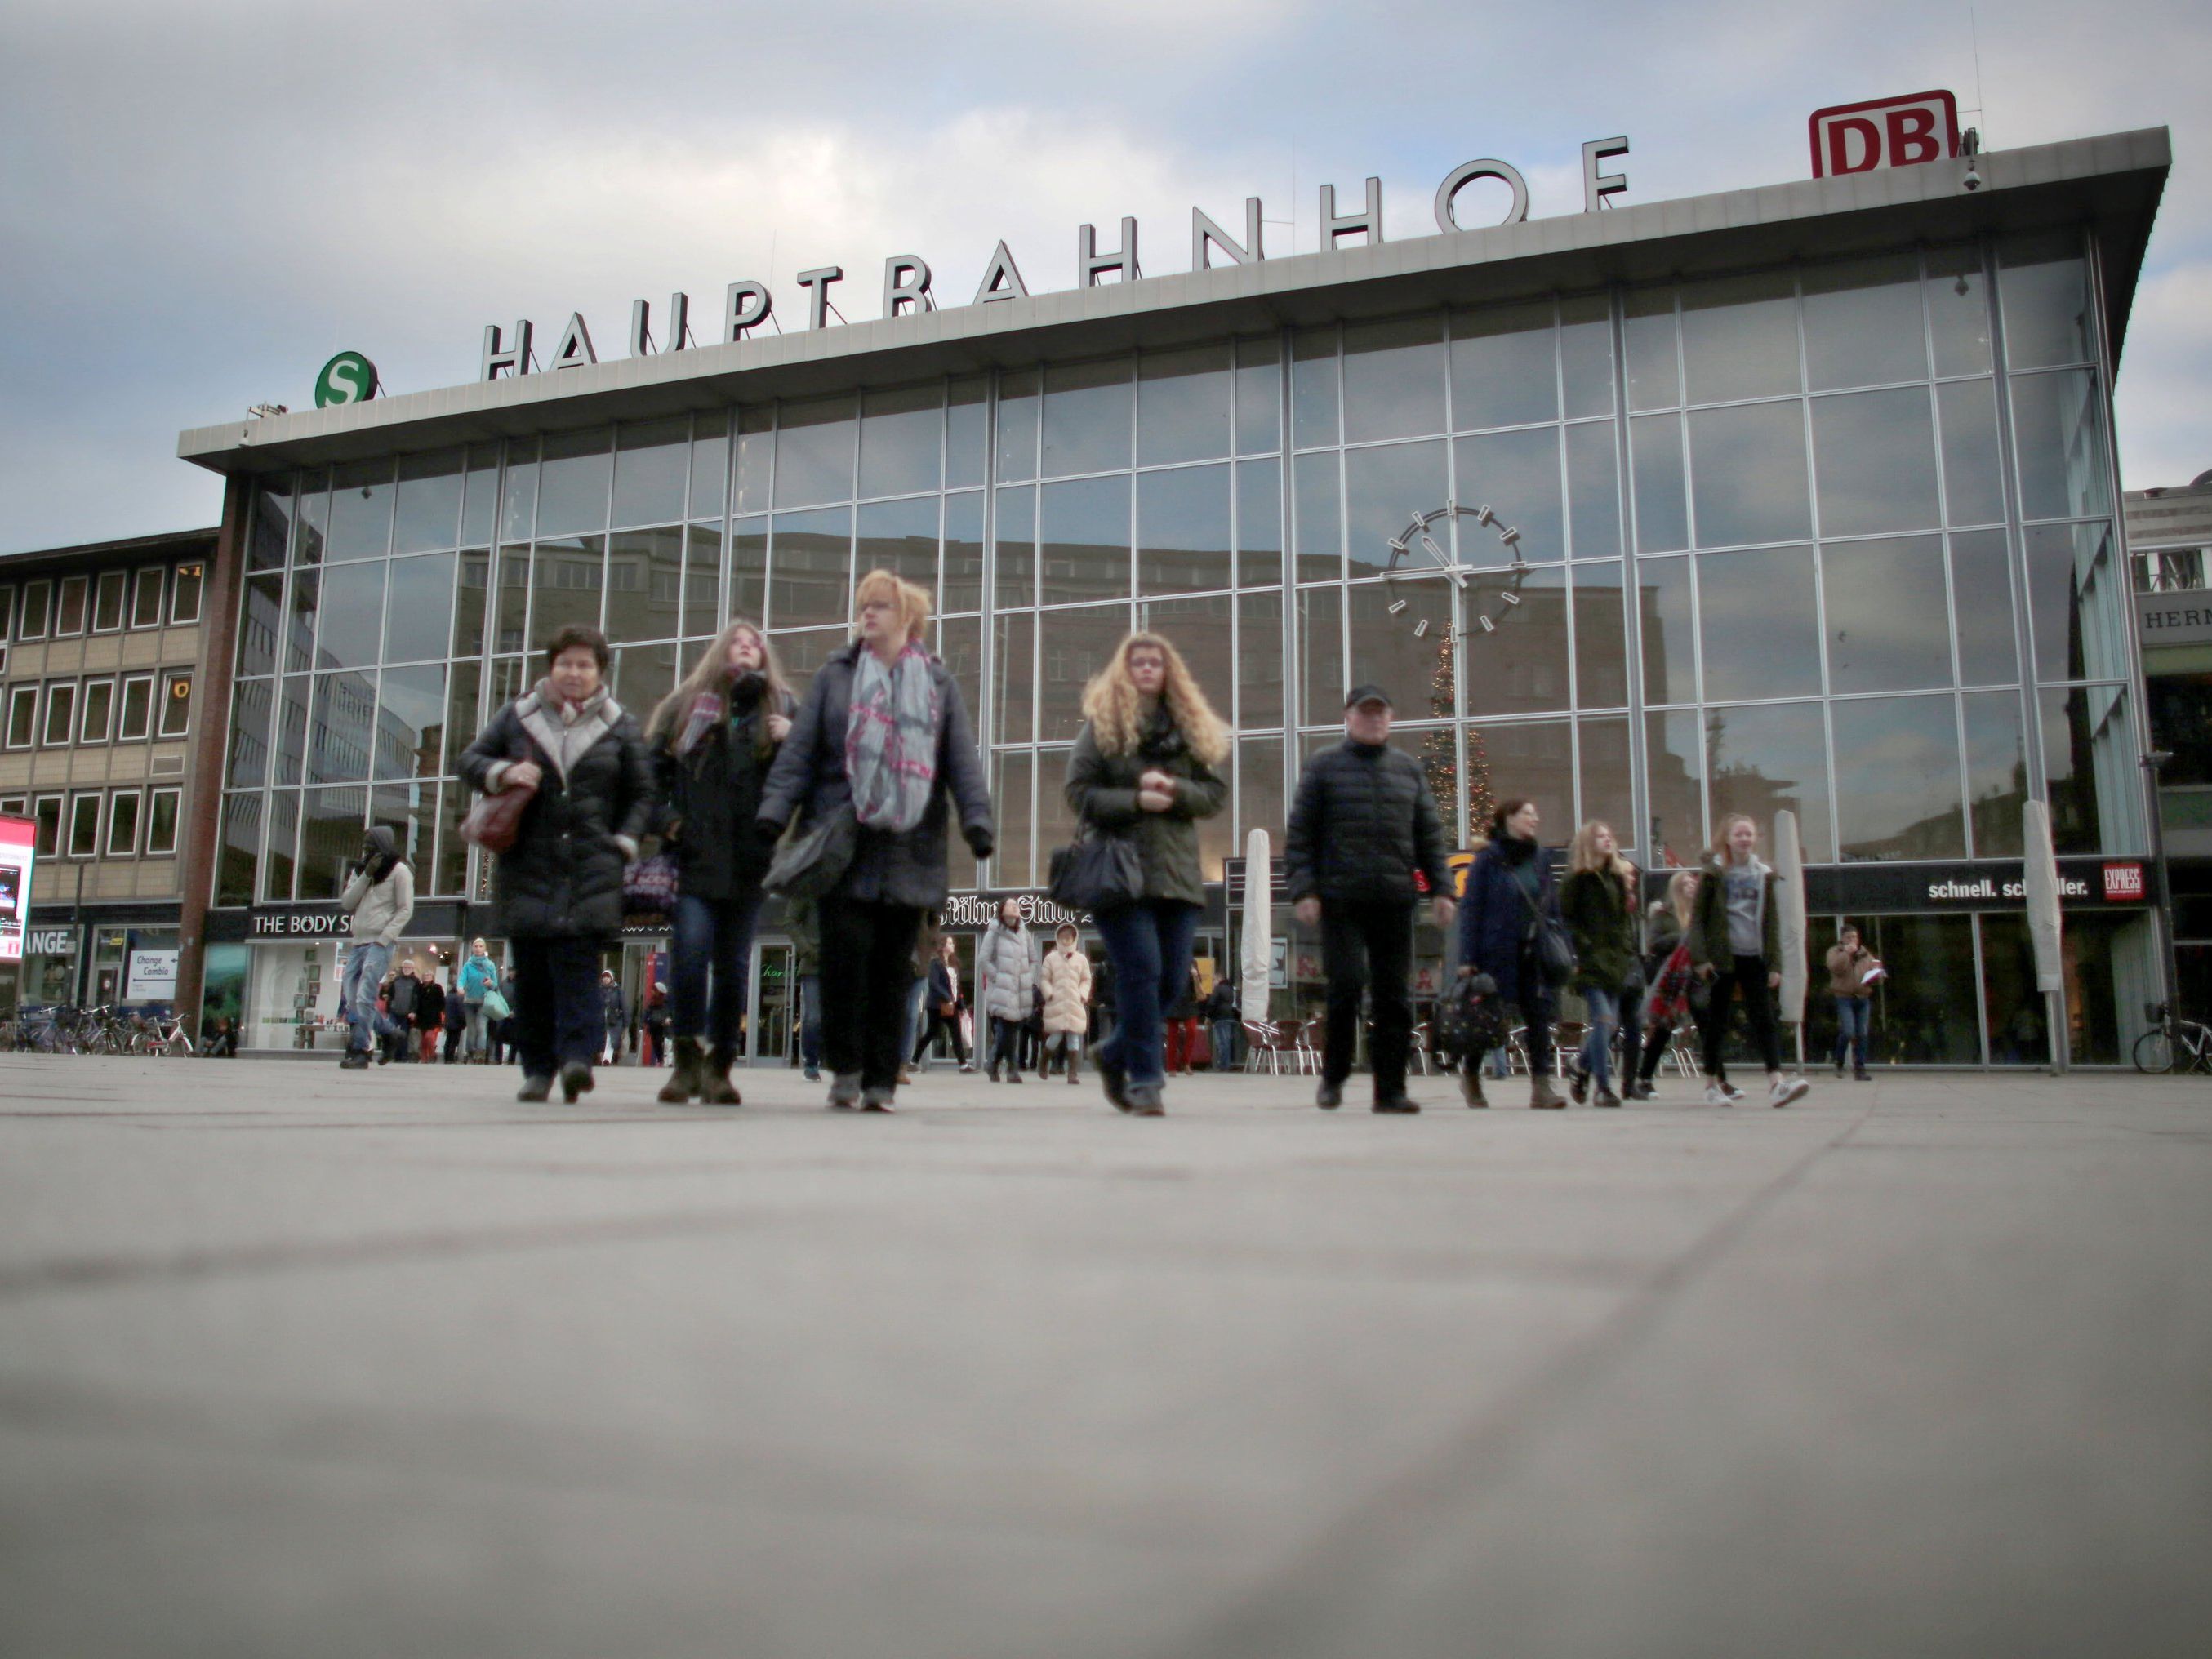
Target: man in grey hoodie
x=379 y=896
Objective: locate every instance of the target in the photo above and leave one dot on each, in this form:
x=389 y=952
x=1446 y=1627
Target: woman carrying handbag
x=1510 y=906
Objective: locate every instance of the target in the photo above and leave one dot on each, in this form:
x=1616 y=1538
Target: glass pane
x=1876 y=454
x=1259 y=661
x=1086 y=417
x=1759 y=632
x=1384 y=488
x=1887 y=617
x=1586 y=354
x=1669 y=645
x=469 y=604
x=99 y=712
x=510 y=622
x=1402 y=639
x=1315 y=384
x=901 y=435
x=1760 y=761
x=2045 y=290
x=573 y=475
x=1897 y=778
x=1183 y=404
x=361 y=512
x=1862 y=323
x=900 y=537
x=1594 y=490
x=801 y=654
x=808 y=568
x=1924 y=1011
x=967 y=409
x=252 y=706
x=1077 y=645
x=644 y=674
x=462 y=724
x=1654 y=458
x=481 y=501
x=1973 y=486
x=566 y=577
x=1017 y=425
x=342 y=727
x=1320 y=648
x=352 y=615
x=1260 y=789
x=411 y=722
x=1259 y=524
x=453 y=871
x=312 y=527
x=280 y=861
x=2060 y=439
x=1606 y=771
x=2078 y=603
x=1739 y=336
x=1010 y=794
x=1016 y=547
x=960 y=644
x=964 y=553
x=710 y=465
x=1259 y=396
x=331 y=825
x=1317 y=519
x=1748 y=472
x=1394 y=378
x=2091 y=770
x=1997 y=773
x=651 y=459
x=1522 y=666
x=645 y=575
x=259 y=621
x=162 y=821
x=294 y=693
x=1600 y=638
x=240 y=854
x=1083 y=541
x=145 y=602
x=1981 y=576
x=814 y=452
x=1517 y=474
x=518 y=500
x=430 y=510
x=410 y=812
x=756 y=449
x=1503 y=372
x=1648 y=340
x=1014 y=664
x=272 y=526
x=748 y=595
x=108 y=601
x=1182 y=530
x=2019 y=1035
x=1531 y=760
x=421 y=611
x=1202 y=631
x=61 y=716
x=703 y=609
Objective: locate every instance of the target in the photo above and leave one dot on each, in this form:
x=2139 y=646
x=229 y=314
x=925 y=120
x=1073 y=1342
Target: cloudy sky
x=203 y=202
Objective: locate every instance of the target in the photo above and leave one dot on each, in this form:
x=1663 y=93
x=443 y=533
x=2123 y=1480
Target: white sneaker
x=1716 y=1095
x=1733 y=1093
x=1787 y=1088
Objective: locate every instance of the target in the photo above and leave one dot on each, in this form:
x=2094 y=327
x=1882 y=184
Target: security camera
x=1973 y=179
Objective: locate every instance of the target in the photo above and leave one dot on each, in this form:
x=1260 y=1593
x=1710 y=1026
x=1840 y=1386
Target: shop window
x=61 y=714
x=162 y=808
x=1924 y=1011
x=428 y=513
x=108 y=601
x=146 y=598
x=38 y=596
x=1087 y=416
x=23 y=715
x=84 y=826
x=1083 y=535
x=47 y=813
x=123 y=824
x=69 y=610
x=135 y=717
x=176 y=705
x=98 y=714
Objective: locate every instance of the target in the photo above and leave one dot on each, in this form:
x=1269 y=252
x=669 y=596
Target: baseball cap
x=1369 y=692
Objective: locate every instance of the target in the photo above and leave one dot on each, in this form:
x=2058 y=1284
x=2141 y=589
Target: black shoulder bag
x=1550 y=945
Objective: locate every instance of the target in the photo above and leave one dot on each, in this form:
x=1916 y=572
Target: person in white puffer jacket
x=1007 y=967
x=379 y=896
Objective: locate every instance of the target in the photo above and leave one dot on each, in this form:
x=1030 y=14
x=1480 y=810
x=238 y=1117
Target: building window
x=177 y=705
x=84 y=826
x=107 y=602
x=47 y=813
x=136 y=719
x=146 y=598
x=23 y=715
x=7 y=611
x=185 y=594
x=13 y=806
x=61 y=714
x=161 y=809
x=37 y=596
x=68 y=614
x=99 y=711
x=123 y=825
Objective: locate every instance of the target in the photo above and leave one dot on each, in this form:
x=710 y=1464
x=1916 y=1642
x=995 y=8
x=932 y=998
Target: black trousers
x=1748 y=974
x=557 y=1011
x=932 y=1023
x=867 y=970
x=1368 y=948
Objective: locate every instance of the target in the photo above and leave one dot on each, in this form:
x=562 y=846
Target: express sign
x=1884 y=132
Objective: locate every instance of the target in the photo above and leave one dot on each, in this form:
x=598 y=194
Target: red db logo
x=1884 y=132
x=2123 y=881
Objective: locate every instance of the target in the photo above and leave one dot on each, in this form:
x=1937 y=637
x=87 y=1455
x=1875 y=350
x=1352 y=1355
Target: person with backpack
x=1735 y=942
x=378 y=899
x=1511 y=898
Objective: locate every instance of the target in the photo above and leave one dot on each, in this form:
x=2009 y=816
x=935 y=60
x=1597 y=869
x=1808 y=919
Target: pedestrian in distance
x=1181 y=1018
x=378 y=898
x=1365 y=841
x=1667 y=970
x=1005 y=974
x=1222 y=1018
x=1599 y=902
x=479 y=979
x=558 y=891
x=884 y=734
x=1510 y=893
x=429 y=1017
x=1735 y=941
x=399 y=998
x=614 y=1017
x=1852 y=969
x=1146 y=766
x=1064 y=979
x=943 y=1002
x=455 y=1021
x=917 y=993
x=799 y=921
x=712 y=739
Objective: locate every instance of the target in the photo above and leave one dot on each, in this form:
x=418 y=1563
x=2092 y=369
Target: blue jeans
x=1149 y=945
x=1603 y=1008
x=1851 y=1020
x=1225 y=1045
x=914 y=1015
x=364 y=977
x=810 y=1021
x=716 y=935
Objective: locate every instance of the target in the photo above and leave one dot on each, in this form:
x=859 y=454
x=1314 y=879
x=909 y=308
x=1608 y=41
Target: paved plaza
x=299 y=1361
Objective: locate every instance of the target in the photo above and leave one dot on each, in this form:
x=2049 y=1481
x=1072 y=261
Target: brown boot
x=1543 y=1097
x=1470 y=1085
x=688 y=1080
x=715 y=1088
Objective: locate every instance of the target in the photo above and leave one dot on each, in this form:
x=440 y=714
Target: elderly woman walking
x=883 y=736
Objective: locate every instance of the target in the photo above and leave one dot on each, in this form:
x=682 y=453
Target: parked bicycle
x=2172 y=1043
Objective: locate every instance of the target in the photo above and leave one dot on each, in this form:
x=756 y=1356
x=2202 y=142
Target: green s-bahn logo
x=348 y=378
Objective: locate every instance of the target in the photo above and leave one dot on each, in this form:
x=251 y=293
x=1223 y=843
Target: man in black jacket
x=1363 y=825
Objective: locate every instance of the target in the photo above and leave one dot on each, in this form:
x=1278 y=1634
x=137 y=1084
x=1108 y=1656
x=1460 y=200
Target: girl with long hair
x=1508 y=887
x=1667 y=969
x=1598 y=901
x=1146 y=767
x=1735 y=942
x=712 y=739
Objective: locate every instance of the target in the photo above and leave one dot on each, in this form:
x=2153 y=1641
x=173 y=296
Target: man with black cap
x=1363 y=825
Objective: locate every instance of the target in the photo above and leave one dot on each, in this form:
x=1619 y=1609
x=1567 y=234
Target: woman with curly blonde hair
x=1146 y=767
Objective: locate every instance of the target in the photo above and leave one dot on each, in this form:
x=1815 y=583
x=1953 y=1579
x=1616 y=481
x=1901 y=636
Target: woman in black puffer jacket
x=558 y=888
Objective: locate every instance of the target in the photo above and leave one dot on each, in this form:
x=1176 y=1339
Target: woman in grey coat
x=1007 y=967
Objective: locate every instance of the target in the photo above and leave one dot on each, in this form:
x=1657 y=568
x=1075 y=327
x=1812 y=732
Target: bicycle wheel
x=2155 y=1052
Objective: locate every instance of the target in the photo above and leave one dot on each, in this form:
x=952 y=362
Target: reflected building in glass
x=1815 y=489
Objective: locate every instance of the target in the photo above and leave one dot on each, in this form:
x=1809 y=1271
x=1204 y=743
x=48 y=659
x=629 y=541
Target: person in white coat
x=1006 y=966
x=1065 y=977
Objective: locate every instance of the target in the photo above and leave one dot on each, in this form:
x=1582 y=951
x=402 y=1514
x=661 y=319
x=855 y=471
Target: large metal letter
x=1001 y=269
x=1369 y=220
x=744 y=306
x=1089 y=262
x=1596 y=186
x=1203 y=230
x=576 y=348
x=640 y=325
x=906 y=284
x=1465 y=174
x=515 y=358
x=817 y=283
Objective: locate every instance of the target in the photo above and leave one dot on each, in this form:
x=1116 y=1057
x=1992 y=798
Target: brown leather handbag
x=494 y=821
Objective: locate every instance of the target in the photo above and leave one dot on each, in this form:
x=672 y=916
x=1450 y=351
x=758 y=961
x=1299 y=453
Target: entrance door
x=772 y=1043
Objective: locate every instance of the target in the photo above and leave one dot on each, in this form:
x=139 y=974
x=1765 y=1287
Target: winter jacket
x=612 y=1014
x=1601 y=915
x=1221 y=1000
x=1662 y=933
x=380 y=909
x=429 y=1005
x=1065 y=977
x=400 y=995
x=1364 y=822
x=710 y=801
x=1006 y=968
x=1494 y=920
x=809 y=779
x=943 y=986
x=562 y=878
x=1708 y=936
x=1184 y=1004
x=1846 y=971
x=1102 y=790
x=478 y=975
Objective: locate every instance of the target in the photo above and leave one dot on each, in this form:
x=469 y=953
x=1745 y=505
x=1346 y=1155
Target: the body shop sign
x=17 y=839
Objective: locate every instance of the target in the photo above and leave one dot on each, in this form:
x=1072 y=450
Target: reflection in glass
x=1014 y=667
x=1183 y=404
x=352 y=615
x=1758 y=623
x=2079 y=607
x=964 y=553
x=1862 y=323
x=1078 y=644
x=314 y=516
x=1202 y=631
x=703 y=614
x=1259 y=396
x=1258 y=660
x=332 y=821
x=1010 y=795
x=1586 y=355
x=1317 y=519
x=1594 y=490
x=1601 y=637
x=901 y=435
x=2043 y=288
x=411 y=722
x=1739 y=336
x=453 y=867
x=470 y=601
x=2091 y=770
x=252 y=704
x=1260 y=789
x=1017 y=419
x=1086 y=417
x=748 y=568
x=1516 y=473
x=809 y=559
x=294 y=693
x=1056 y=823
x=461 y=705
x=480 y=501
x=1314 y=386
x=1648 y=341
x=422 y=608
x=1606 y=771
x=278 y=862
x=1876 y=456
x=566 y=577
x=510 y=622
x=1897 y=778
x=1502 y=369
x=1182 y=530
x=644 y=674
x=814 y=452
x=1320 y=648
x=1887 y=619
x=1958 y=309
x=960 y=644
x=1760 y=761
x=1981 y=576
x=1997 y=773
x=1521 y=667
x=756 y=452
x=1527 y=760
x=240 y=854
x=430 y=501
x=265 y=547
x=1083 y=539
x=1394 y=378
x=1259 y=524
x=1016 y=547
x=1973 y=486
x=710 y=466
x=2059 y=437
x=1664 y=626
x=1403 y=640
x=361 y=511
x=1654 y=459
x=346 y=728
x=803 y=651
x=2019 y=1030
x=967 y=405
x=644 y=577
x=652 y=460
x=1924 y=1011
x=574 y=474
x=900 y=537
x=258 y=621
x=1748 y=472
x=1382 y=487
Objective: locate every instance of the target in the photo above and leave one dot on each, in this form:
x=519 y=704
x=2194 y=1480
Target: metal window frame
x=19 y=693
x=82 y=586
x=115 y=798
x=43 y=587
x=121 y=579
x=170 y=679
x=78 y=798
x=175 y=792
x=66 y=691
x=86 y=737
x=152 y=578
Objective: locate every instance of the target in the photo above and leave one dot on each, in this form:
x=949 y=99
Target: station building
x=1816 y=502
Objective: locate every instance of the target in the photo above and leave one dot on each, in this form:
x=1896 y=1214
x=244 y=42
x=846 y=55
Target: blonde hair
x=1114 y=708
x=708 y=675
x=911 y=599
x=1719 y=849
x=1583 y=853
x=1682 y=894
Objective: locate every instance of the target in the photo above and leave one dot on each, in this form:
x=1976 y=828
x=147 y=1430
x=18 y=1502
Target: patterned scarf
x=891 y=738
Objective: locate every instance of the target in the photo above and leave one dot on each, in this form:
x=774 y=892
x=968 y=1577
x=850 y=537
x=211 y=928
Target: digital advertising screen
x=16 y=836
